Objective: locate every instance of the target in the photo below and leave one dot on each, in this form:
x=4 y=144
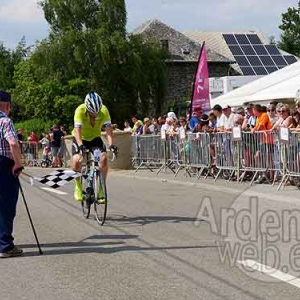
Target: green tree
x=290 y=37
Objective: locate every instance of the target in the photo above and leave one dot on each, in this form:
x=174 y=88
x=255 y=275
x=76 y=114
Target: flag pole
x=194 y=82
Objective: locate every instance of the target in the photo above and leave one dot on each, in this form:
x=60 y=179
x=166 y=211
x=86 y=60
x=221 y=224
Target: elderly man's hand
x=17 y=170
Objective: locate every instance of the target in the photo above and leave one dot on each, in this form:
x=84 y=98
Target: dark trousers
x=9 y=192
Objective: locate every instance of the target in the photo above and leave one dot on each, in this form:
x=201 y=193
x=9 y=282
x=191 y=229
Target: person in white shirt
x=228 y=118
x=127 y=127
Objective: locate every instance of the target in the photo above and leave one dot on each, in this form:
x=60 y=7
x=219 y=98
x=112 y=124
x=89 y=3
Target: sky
x=20 y=18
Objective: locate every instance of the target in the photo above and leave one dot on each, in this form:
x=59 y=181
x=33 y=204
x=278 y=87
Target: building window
x=165 y=44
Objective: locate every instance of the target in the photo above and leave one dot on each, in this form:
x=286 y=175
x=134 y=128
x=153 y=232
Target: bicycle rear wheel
x=86 y=201
x=100 y=209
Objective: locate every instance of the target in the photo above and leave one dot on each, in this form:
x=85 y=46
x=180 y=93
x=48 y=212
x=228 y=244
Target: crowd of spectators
x=250 y=118
x=51 y=144
x=254 y=117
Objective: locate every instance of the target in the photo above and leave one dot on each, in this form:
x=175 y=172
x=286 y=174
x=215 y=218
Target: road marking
x=54 y=191
x=271 y=272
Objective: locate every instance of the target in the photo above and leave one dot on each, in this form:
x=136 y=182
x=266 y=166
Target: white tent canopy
x=282 y=84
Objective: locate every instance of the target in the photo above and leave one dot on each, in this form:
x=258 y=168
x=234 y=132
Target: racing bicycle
x=93 y=181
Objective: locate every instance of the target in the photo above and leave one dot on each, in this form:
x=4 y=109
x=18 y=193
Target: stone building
x=184 y=54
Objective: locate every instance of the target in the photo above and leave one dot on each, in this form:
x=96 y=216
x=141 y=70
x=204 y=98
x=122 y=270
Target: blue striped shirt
x=7 y=134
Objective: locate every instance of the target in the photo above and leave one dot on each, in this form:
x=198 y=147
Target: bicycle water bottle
x=97 y=154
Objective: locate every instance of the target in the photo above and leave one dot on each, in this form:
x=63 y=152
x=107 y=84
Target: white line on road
x=54 y=191
x=271 y=272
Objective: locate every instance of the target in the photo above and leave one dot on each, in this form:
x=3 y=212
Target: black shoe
x=12 y=253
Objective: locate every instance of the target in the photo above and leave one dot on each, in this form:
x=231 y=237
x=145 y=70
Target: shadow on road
x=145 y=220
x=107 y=247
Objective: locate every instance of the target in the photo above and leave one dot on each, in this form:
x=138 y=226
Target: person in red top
x=33 y=137
x=264 y=142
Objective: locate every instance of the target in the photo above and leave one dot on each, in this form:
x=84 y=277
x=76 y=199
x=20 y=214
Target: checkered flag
x=58 y=178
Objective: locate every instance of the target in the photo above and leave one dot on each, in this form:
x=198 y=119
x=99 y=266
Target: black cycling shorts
x=96 y=143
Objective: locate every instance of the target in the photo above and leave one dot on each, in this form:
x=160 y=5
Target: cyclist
x=89 y=119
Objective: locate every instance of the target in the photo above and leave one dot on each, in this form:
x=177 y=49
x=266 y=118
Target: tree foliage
x=88 y=48
x=290 y=37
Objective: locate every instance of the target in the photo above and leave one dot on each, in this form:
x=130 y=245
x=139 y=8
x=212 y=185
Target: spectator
x=195 y=119
x=263 y=122
x=33 y=137
x=172 y=115
x=183 y=124
x=241 y=111
x=285 y=119
x=161 y=120
x=56 y=137
x=154 y=127
x=138 y=125
x=115 y=127
x=212 y=121
x=272 y=113
x=238 y=120
x=168 y=126
x=20 y=134
x=295 y=126
x=295 y=120
x=33 y=143
x=264 y=153
x=146 y=129
x=228 y=118
x=298 y=105
x=127 y=127
x=217 y=110
x=250 y=119
x=63 y=129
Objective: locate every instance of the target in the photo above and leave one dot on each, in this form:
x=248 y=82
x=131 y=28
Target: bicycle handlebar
x=114 y=155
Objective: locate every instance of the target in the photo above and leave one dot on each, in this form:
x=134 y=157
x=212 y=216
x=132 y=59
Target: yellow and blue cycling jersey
x=82 y=120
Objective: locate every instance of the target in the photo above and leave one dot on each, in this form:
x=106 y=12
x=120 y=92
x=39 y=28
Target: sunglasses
x=271 y=110
x=282 y=111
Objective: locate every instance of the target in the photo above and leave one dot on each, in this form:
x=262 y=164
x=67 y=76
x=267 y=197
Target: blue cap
x=5 y=97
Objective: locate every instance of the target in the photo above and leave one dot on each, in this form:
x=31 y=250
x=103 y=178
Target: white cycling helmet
x=93 y=102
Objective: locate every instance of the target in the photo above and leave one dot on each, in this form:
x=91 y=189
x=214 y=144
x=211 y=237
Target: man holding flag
x=10 y=166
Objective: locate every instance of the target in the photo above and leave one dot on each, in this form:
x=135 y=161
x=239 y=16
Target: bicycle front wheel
x=86 y=201
x=100 y=208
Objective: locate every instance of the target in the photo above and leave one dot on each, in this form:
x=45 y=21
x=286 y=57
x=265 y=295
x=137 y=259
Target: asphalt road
x=156 y=243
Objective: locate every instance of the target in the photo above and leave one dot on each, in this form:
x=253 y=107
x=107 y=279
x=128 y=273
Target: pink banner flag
x=201 y=85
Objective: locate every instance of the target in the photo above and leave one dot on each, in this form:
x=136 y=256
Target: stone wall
x=181 y=76
x=123 y=141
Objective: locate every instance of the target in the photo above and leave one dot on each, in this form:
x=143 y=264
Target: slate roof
x=155 y=29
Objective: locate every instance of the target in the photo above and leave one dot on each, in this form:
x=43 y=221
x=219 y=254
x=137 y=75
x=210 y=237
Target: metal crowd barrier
x=148 y=151
x=30 y=154
x=290 y=157
x=256 y=154
x=197 y=149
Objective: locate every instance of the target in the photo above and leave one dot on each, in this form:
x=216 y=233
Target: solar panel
x=247 y=71
x=279 y=60
x=272 y=49
x=260 y=50
x=241 y=60
x=254 y=61
x=271 y=69
x=254 y=39
x=236 y=50
x=290 y=59
x=242 y=39
x=230 y=39
x=253 y=57
x=267 y=60
x=248 y=50
x=260 y=70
